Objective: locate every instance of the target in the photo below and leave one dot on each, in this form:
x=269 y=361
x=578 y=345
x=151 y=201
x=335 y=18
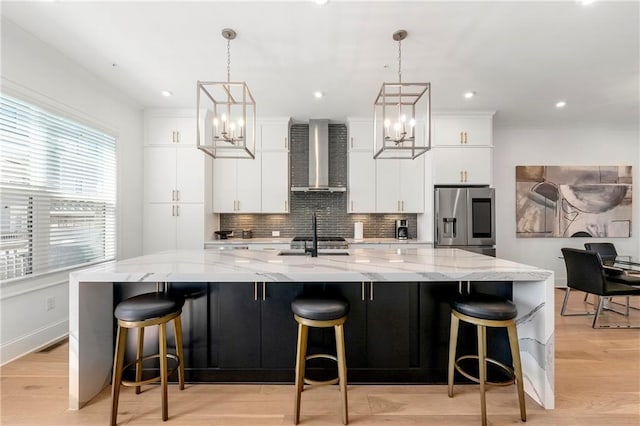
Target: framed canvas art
x=573 y=201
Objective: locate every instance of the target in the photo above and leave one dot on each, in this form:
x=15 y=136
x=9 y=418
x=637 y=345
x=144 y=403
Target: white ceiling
x=520 y=57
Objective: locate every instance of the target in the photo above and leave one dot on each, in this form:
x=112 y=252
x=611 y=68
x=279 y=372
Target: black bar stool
x=139 y=312
x=484 y=311
x=320 y=312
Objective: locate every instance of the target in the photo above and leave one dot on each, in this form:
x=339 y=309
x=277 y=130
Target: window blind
x=57 y=192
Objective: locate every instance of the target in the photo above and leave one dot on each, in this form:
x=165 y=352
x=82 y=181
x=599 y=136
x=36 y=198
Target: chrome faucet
x=314 y=250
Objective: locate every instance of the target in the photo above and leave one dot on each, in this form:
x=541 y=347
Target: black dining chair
x=607 y=252
x=585 y=272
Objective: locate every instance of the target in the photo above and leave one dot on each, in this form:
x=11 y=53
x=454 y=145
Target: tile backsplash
x=330 y=208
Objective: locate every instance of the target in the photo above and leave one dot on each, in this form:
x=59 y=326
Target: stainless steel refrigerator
x=465 y=218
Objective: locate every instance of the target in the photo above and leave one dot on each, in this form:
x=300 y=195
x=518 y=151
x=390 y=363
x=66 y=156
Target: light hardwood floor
x=597 y=383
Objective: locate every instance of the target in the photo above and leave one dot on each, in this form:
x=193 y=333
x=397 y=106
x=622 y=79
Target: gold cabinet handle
x=286 y=205
x=286 y=143
x=177 y=195
x=363 y=290
x=461 y=176
x=255 y=290
x=351 y=141
x=264 y=290
x=371 y=292
x=466 y=141
x=465 y=175
x=177 y=210
x=402 y=205
x=461 y=138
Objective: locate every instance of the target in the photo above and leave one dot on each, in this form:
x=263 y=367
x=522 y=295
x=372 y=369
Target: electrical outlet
x=51 y=303
x=275 y=233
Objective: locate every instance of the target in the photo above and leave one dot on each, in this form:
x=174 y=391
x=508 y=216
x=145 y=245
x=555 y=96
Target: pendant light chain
x=400 y=61
x=228 y=61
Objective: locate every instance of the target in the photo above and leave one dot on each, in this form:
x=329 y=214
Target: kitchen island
x=237 y=278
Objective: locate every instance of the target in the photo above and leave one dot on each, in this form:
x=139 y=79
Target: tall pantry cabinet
x=174 y=177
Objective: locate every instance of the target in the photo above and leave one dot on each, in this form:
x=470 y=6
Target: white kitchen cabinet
x=361 y=135
x=274 y=134
x=169 y=226
x=174 y=183
x=362 y=182
x=476 y=129
x=173 y=174
x=236 y=185
x=469 y=165
x=400 y=186
x=275 y=182
x=260 y=185
x=170 y=129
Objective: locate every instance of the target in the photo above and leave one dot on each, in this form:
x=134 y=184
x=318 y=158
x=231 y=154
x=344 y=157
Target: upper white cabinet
x=362 y=182
x=400 y=186
x=381 y=186
x=462 y=165
x=275 y=182
x=274 y=134
x=170 y=128
x=361 y=135
x=471 y=129
x=362 y=167
x=260 y=185
x=462 y=149
x=236 y=185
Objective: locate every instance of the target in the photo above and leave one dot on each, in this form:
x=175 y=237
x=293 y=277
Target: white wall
x=584 y=145
x=39 y=74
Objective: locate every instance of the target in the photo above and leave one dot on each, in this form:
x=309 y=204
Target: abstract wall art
x=573 y=201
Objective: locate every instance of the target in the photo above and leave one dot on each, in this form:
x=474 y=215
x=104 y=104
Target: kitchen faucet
x=314 y=249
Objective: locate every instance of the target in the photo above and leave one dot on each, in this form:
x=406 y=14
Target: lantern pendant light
x=402 y=116
x=226 y=115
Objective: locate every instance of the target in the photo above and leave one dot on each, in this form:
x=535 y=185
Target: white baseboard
x=34 y=341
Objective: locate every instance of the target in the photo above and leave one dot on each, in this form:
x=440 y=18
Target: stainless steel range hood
x=318 y=159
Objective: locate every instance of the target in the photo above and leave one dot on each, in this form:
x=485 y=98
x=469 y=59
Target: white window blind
x=57 y=192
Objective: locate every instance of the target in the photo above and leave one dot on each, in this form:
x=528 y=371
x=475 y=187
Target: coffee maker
x=402 y=229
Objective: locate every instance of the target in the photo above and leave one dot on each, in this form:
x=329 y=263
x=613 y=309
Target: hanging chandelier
x=226 y=115
x=402 y=116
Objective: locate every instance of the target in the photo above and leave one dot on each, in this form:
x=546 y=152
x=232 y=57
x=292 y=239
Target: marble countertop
x=406 y=264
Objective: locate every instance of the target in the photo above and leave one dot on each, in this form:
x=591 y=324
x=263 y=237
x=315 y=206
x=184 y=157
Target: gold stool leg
x=162 y=343
x=482 y=371
x=118 y=362
x=342 y=371
x=139 y=355
x=303 y=332
x=177 y=325
x=453 y=342
x=517 y=367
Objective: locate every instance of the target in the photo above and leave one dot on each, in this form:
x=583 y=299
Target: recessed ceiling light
x=321 y=2
x=469 y=95
x=318 y=94
x=561 y=104
x=586 y=2
x=166 y=93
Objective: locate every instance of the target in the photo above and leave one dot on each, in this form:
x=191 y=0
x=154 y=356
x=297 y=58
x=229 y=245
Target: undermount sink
x=321 y=252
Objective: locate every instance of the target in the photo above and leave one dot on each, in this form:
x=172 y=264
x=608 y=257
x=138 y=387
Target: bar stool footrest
x=321 y=382
x=509 y=370
x=132 y=383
